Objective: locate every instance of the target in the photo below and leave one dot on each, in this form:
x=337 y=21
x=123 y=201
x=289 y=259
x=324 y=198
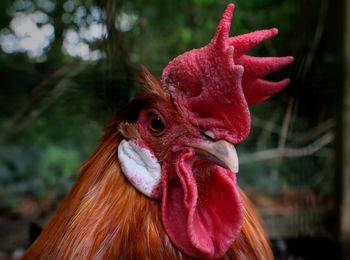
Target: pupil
x=156 y=123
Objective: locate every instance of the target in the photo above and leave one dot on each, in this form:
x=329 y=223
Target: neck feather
x=104 y=217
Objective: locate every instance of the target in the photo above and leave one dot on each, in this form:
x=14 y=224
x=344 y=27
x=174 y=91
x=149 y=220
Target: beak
x=220 y=152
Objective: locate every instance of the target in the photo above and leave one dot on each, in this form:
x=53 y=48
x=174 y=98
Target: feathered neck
x=104 y=217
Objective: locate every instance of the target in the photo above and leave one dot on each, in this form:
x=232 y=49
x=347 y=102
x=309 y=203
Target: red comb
x=216 y=83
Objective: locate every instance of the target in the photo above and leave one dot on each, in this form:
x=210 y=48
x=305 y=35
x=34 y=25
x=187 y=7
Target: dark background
x=66 y=66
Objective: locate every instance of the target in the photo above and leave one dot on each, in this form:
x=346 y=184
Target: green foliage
x=28 y=171
x=54 y=103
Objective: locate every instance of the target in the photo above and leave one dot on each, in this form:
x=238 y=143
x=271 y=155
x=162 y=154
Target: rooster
x=162 y=184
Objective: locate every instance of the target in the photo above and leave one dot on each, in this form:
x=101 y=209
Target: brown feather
x=105 y=217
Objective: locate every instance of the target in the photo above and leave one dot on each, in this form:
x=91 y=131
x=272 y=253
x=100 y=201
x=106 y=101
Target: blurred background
x=66 y=66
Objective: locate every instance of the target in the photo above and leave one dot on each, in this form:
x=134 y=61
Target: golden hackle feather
x=105 y=217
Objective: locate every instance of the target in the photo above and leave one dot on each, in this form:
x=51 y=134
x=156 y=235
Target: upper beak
x=220 y=152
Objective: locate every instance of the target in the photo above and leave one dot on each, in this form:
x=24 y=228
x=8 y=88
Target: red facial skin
x=211 y=87
x=201 y=207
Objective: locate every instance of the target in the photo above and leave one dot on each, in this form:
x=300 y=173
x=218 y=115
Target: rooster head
x=180 y=146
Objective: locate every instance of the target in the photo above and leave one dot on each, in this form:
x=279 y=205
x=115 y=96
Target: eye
x=208 y=135
x=155 y=123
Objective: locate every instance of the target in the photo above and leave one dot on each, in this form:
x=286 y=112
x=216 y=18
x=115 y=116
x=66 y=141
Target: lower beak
x=220 y=152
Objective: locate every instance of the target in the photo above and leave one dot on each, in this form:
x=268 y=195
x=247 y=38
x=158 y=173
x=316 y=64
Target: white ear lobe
x=140 y=167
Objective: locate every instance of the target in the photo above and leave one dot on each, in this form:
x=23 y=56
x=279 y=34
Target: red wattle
x=201 y=208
